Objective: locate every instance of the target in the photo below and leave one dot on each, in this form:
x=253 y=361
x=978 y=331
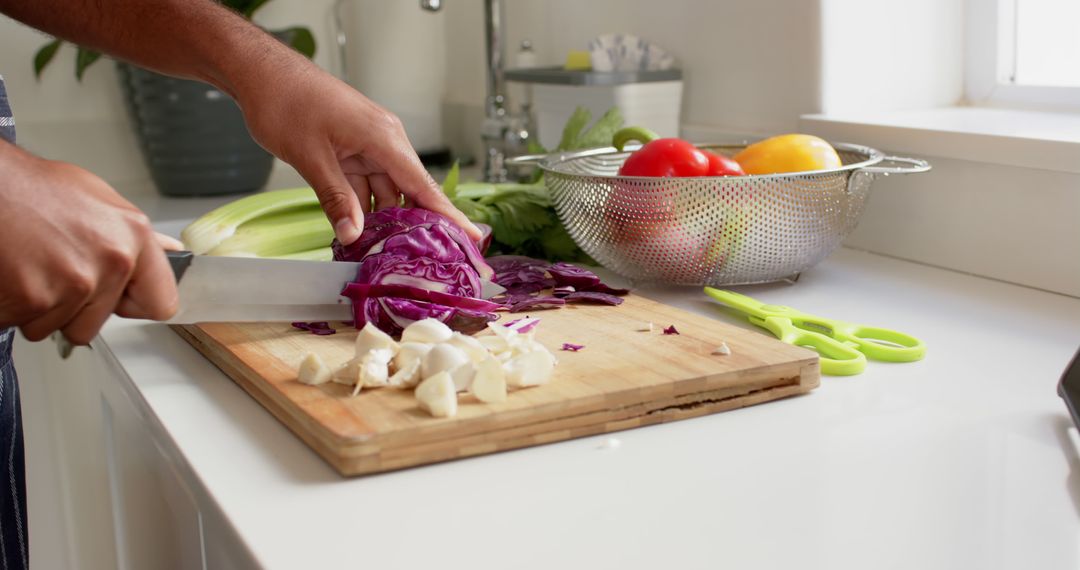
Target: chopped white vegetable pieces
x=371 y=338
x=440 y=363
x=529 y=369
x=472 y=347
x=407 y=363
x=348 y=373
x=374 y=370
x=437 y=395
x=645 y=327
x=722 y=349
x=406 y=377
x=428 y=331
x=313 y=370
x=489 y=382
x=442 y=358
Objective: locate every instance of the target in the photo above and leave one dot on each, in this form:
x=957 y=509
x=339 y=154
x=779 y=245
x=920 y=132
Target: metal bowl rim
x=551 y=164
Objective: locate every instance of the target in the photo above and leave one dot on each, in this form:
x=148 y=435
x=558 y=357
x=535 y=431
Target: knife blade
x=247 y=289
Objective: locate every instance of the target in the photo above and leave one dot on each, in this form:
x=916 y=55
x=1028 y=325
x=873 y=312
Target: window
x=1023 y=53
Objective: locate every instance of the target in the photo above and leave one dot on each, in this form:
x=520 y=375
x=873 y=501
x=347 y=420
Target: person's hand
x=73 y=252
x=348 y=148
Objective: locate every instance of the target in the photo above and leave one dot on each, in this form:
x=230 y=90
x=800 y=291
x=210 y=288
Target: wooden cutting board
x=622 y=379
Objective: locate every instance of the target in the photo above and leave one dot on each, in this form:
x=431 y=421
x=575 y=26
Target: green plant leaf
x=301 y=39
x=574 y=125
x=534 y=147
x=557 y=244
x=600 y=133
x=251 y=7
x=44 y=56
x=84 y=59
x=450 y=183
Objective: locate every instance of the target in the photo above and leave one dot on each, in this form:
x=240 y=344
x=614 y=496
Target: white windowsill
x=1029 y=139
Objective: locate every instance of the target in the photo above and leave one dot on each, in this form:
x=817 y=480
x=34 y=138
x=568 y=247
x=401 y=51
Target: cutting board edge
x=350 y=466
x=760 y=376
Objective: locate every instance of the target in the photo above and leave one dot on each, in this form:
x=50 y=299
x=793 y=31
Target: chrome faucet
x=504 y=133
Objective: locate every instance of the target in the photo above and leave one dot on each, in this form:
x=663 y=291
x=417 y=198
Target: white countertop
x=963 y=460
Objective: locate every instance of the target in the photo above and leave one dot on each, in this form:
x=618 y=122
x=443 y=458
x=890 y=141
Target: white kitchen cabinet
x=105 y=491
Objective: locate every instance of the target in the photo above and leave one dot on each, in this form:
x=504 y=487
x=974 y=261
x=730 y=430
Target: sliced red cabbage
x=563 y=290
x=393 y=314
x=361 y=291
x=318 y=327
x=526 y=279
x=593 y=297
x=523 y=325
x=671 y=330
x=537 y=304
x=572 y=347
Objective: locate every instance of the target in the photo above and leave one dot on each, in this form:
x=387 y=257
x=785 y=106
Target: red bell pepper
x=670 y=157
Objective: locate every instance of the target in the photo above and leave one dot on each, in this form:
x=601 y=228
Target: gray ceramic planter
x=192 y=136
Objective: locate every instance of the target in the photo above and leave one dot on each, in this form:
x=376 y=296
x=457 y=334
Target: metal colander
x=716 y=231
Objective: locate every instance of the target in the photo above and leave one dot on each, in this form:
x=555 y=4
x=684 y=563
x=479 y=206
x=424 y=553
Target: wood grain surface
x=622 y=379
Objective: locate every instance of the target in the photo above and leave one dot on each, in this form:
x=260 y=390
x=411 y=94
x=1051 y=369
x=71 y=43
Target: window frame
x=989 y=66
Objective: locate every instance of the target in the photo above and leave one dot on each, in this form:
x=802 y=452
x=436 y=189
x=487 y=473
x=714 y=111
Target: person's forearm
x=196 y=39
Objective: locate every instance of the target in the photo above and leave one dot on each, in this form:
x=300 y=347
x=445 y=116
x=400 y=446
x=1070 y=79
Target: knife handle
x=179 y=261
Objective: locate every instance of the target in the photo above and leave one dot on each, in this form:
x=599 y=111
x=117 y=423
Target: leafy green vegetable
x=449 y=185
x=522 y=218
x=575 y=136
x=600 y=133
x=572 y=130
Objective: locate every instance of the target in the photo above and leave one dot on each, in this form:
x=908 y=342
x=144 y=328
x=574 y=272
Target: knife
x=247 y=289
x=250 y=289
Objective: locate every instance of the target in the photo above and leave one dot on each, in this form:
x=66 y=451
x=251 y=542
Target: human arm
x=347 y=147
x=73 y=252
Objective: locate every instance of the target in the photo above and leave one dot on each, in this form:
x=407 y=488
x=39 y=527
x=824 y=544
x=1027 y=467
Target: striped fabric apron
x=14 y=547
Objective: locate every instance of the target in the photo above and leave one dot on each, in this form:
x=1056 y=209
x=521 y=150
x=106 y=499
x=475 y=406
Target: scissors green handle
x=843 y=347
x=836 y=358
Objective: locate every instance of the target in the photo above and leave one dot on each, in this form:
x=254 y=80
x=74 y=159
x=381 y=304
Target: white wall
x=887 y=55
x=748 y=66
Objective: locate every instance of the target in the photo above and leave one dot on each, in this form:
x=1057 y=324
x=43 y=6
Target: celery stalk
x=319 y=254
x=209 y=231
x=285 y=233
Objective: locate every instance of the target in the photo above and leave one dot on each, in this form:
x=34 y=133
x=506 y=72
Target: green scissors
x=843 y=347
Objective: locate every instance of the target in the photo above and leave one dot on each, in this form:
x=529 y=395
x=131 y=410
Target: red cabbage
x=318 y=327
x=361 y=291
x=537 y=304
x=523 y=325
x=416 y=264
x=572 y=347
x=671 y=330
x=527 y=279
x=384 y=224
x=394 y=314
x=593 y=297
x=455 y=278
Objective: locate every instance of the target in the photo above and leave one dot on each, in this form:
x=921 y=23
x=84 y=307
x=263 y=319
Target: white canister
x=394 y=55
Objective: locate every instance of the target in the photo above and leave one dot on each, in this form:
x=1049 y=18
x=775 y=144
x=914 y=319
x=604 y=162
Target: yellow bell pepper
x=788 y=153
